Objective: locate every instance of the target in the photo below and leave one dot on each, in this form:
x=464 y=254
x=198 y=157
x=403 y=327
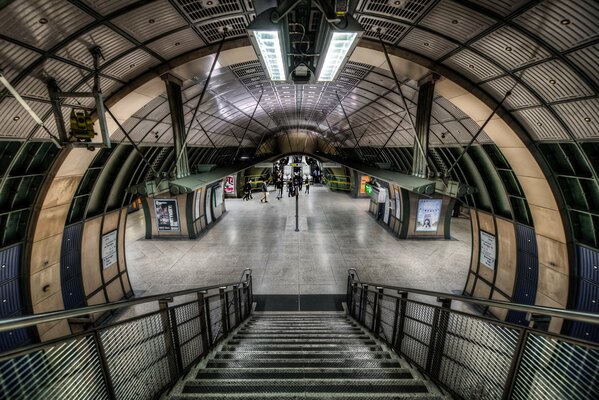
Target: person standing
x=280 y=188
x=307 y=184
x=247 y=190
x=289 y=188
x=264 y=193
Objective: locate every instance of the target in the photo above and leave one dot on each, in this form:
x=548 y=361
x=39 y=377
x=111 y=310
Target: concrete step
x=299 y=347
x=292 y=396
x=296 y=340
x=305 y=373
x=274 y=386
x=316 y=355
x=305 y=363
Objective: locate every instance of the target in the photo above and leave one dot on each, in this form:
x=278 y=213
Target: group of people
x=294 y=186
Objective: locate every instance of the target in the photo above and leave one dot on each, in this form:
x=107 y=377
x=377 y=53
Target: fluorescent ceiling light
x=339 y=46
x=269 y=45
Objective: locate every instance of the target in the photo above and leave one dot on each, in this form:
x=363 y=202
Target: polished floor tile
x=336 y=232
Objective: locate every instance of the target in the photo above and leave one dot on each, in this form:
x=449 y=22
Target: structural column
x=426 y=92
x=175 y=103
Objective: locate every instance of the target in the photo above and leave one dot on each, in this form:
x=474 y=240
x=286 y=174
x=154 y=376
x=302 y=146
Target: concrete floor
x=336 y=233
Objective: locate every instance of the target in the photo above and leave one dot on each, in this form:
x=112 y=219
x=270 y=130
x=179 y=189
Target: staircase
x=303 y=355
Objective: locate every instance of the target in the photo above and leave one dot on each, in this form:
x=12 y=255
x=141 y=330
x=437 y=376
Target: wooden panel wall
x=46 y=237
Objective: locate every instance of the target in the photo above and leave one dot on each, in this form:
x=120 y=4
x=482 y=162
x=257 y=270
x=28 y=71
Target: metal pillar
x=296 y=210
x=175 y=104
x=423 y=121
x=97 y=91
x=248 y=126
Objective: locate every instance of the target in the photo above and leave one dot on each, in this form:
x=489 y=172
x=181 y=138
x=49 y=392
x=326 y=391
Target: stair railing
x=479 y=357
x=139 y=357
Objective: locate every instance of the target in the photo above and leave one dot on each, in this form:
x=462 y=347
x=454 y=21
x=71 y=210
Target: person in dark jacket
x=247 y=190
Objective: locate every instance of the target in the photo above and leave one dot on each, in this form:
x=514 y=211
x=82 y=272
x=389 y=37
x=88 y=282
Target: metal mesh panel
x=554 y=369
x=66 y=370
x=215 y=327
x=417 y=329
x=477 y=356
x=189 y=331
x=388 y=310
x=368 y=314
x=231 y=308
x=139 y=365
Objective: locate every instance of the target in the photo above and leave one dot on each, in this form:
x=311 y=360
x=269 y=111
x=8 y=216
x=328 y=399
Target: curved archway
x=509 y=136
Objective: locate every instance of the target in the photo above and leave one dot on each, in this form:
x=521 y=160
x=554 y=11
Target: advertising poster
x=429 y=213
x=230 y=185
x=167 y=215
x=487 y=249
x=197 y=203
x=218 y=195
x=363 y=180
x=397 y=204
x=109 y=249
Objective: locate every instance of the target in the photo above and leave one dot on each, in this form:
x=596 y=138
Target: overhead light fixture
x=337 y=47
x=266 y=36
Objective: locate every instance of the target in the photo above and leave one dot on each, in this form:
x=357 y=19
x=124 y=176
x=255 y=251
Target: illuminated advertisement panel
x=167 y=215
x=429 y=213
x=230 y=185
x=363 y=180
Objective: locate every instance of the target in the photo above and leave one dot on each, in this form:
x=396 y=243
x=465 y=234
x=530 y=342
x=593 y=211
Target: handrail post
x=224 y=310
x=104 y=365
x=208 y=320
x=510 y=381
x=348 y=293
x=438 y=335
x=246 y=295
x=236 y=302
x=203 y=325
x=363 y=303
x=353 y=303
x=172 y=349
x=251 y=292
x=376 y=310
x=403 y=305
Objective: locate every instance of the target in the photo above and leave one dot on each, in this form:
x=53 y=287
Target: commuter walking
x=247 y=190
x=289 y=188
x=264 y=193
x=307 y=184
x=279 y=188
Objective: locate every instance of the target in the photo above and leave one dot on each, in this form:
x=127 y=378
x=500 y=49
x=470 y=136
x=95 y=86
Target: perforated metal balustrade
x=135 y=359
x=476 y=357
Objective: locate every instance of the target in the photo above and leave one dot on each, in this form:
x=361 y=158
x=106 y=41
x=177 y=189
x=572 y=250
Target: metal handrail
x=548 y=311
x=30 y=320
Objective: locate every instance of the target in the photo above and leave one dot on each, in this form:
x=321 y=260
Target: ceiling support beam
x=143 y=157
x=480 y=130
x=426 y=95
x=195 y=110
x=350 y=127
x=403 y=98
x=248 y=125
x=175 y=104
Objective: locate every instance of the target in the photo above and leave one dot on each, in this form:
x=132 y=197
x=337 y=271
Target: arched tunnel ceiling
x=548 y=48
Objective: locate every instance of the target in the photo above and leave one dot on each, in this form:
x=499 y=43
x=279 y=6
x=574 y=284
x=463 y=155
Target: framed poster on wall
x=208 y=205
x=397 y=204
x=167 y=215
x=230 y=185
x=218 y=195
x=197 y=203
x=109 y=249
x=429 y=213
x=488 y=246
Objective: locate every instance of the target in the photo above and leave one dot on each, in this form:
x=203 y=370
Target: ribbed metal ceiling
x=547 y=49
